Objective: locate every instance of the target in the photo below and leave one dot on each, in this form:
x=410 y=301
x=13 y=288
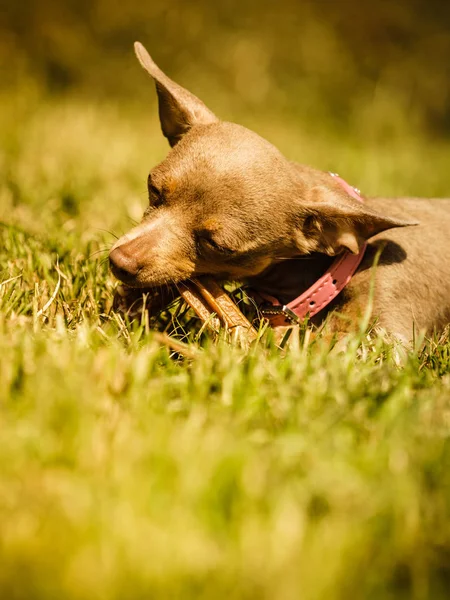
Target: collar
x=323 y=291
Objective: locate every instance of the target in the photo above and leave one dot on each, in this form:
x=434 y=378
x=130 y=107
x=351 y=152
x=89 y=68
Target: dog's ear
x=179 y=110
x=331 y=222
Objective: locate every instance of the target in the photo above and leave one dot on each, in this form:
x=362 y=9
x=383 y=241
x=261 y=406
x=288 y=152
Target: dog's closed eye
x=206 y=242
x=155 y=196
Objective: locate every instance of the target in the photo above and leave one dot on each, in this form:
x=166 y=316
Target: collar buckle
x=269 y=310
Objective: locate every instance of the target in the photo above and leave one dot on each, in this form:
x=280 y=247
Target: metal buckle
x=273 y=311
x=357 y=190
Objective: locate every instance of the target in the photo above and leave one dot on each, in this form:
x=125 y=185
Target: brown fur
x=227 y=203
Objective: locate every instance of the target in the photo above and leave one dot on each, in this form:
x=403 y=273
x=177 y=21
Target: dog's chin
x=147 y=283
x=144 y=286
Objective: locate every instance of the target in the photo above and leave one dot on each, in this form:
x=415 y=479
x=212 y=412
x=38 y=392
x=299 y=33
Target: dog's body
x=411 y=283
x=226 y=203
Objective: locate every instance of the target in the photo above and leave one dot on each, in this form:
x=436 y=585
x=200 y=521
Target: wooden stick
x=191 y=295
x=205 y=297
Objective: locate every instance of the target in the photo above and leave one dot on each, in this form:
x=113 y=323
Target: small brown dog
x=226 y=203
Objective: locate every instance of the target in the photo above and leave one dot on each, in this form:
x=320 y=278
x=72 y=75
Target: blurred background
x=350 y=63
x=361 y=88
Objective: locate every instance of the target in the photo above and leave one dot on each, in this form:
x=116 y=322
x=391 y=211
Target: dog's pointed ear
x=179 y=110
x=332 y=221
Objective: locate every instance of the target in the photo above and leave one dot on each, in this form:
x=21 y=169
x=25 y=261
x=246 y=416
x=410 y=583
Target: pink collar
x=323 y=291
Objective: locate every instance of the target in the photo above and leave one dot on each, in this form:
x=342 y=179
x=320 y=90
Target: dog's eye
x=155 y=196
x=211 y=244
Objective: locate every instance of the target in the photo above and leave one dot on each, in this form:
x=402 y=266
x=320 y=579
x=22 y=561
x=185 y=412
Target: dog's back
x=412 y=284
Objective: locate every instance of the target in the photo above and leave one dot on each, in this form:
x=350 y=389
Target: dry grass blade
x=2 y=283
x=186 y=350
x=53 y=296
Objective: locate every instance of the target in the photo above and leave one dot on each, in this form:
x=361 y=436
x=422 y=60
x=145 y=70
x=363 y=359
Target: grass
x=128 y=472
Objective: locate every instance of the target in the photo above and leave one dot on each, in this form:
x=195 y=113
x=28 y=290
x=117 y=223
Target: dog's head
x=226 y=202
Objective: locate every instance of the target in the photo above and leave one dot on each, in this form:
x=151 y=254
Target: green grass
x=130 y=473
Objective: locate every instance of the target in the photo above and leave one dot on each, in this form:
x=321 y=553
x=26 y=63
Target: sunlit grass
x=131 y=472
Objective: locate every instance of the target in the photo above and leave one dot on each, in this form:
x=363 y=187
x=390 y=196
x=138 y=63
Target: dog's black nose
x=123 y=263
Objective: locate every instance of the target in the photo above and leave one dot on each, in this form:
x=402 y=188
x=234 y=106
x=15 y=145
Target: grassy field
x=130 y=473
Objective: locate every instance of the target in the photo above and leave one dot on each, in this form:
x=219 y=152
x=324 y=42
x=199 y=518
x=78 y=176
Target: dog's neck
x=287 y=279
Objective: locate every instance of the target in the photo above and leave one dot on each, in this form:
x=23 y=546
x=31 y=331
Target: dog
x=227 y=204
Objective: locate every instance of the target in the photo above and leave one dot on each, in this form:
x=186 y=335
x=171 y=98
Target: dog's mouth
x=143 y=278
x=124 y=276
x=213 y=306
x=144 y=285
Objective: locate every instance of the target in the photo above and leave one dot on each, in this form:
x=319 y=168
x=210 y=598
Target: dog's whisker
x=100 y=251
x=103 y=261
x=108 y=231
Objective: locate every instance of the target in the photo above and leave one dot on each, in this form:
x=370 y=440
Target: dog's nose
x=123 y=262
